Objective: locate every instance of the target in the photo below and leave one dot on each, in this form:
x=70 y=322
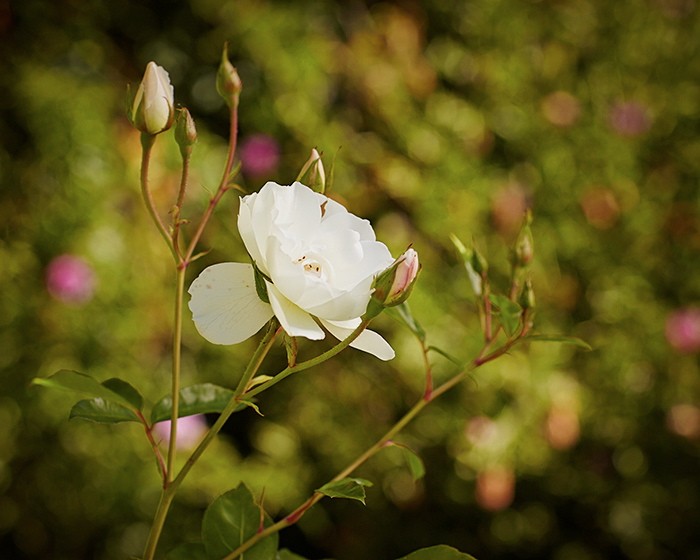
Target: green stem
x=289 y=370
x=380 y=444
x=177 y=211
x=176 y=368
x=147 y=142
x=223 y=185
x=252 y=368
x=173 y=484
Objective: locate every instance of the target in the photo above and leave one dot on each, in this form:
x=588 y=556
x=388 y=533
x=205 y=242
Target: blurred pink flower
x=260 y=155
x=683 y=329
x=629 y=118
x=561 y=108
x=190 y=430
x=495 y=488
x=70 y=279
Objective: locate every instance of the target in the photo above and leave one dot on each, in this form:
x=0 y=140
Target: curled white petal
x=293 y=318
x=368 y=341
x=225 y=306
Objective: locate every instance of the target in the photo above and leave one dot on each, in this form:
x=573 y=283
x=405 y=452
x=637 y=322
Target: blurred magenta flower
x=190 y=430
x=260 y=155
x=683 y=329
x=629 y=118
x=70 y=279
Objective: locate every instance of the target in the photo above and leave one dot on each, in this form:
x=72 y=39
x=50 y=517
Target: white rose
x=320 y=260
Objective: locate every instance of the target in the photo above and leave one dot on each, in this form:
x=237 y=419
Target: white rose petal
x=293 y=319
x=225 y=306
x=368 y=341
x=320 y=261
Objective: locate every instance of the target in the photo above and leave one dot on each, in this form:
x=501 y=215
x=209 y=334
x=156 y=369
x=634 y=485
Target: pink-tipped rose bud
x=405 y=276
x=393 y=286
x=152 y=108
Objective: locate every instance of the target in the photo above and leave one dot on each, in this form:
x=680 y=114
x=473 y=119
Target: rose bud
x=152 y=108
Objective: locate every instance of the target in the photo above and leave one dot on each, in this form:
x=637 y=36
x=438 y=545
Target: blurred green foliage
x=443 y=117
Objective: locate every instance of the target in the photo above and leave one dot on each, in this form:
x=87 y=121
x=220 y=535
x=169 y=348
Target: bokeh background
x=443 y=117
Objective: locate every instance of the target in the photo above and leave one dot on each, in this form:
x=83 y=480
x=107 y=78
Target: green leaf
x=403 y=314
x=188 y=551
x=84 y=384
x=445 y=355
x=195 y=399
x=103 y=411
x=260 y=285
x=350 y=488
x=561 y=339
x=125 y=390
x=415 y=463
x=509 y=312
x=439 y=552
x=231 y=520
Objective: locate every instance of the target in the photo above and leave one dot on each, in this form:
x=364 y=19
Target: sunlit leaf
x=83 y=384
x=103 y=411
x=572 y=340
x=439 y=552
x=231 y=520
x=195 y=399
x=188 y=551
x=350 y=488
x=403 y=313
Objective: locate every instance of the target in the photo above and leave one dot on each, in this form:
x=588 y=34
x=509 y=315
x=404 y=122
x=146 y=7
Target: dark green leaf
x=195 y=399
x=509 y=313
x=126 y=390
x=188 y=551
x=260 y=285
x=561 y=339
x=439 y=552
x=350 y=488
x=231 y=520
x=83 y=384
x=103 y=411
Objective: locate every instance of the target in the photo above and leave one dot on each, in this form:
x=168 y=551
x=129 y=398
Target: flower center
x=311 y=266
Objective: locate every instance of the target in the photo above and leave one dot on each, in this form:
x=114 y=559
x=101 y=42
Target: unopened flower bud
x=314 y=167
x=152 y=108
x=527 y=298
x=185 y=130
x=228 y=82
x=523 y=251
x=393 y=286
x=318 y=173
x=404 y=278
